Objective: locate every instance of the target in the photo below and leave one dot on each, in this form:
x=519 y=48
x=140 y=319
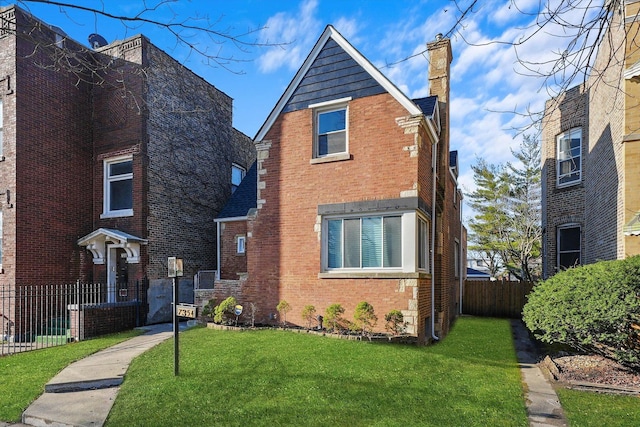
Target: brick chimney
x=439 y=67
x=440 y=58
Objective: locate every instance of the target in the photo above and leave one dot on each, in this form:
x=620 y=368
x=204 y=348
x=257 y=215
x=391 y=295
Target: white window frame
x=409 y=244
x=241 y=246
x=559 y=252
x=563 y=157
x=423 y=243
x=328 y=107
x=107 y=180
x=243 y=172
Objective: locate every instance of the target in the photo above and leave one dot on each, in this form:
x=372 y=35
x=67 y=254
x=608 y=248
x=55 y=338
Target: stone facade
x=59 y=128
x=605 y=108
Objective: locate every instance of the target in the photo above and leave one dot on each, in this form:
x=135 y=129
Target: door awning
x=632 y=228
x=97 y=241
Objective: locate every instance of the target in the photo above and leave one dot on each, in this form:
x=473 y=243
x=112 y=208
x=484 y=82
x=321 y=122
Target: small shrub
x=395 y=322
x=365 y=318
x=283 y=308
x=224 y=311
x=253 y=310
x=209 y=308
x=593 y=308
x=333 y=318
x=309 y=315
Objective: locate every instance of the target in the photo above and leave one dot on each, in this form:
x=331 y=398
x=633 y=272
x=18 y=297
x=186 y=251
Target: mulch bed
x=593 y=372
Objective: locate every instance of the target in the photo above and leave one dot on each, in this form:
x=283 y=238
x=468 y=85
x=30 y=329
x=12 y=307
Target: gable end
x=334 y=74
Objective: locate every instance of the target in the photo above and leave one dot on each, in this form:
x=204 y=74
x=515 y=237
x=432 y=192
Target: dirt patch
x=591 y=369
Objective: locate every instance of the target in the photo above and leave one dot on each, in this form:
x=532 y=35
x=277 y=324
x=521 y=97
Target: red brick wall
x=284 y=247
x=50 y=157
x=119 y=130
x=231 y=262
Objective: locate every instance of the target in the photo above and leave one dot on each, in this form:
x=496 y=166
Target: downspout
x=218 y=250
x=434 y=164
x=461 y=265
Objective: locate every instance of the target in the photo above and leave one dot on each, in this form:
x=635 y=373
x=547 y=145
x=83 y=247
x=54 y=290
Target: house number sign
x=186 y=310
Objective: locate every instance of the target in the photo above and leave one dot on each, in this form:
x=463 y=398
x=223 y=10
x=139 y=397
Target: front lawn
x=586 y=409
x=274 y=377
x=24 y=375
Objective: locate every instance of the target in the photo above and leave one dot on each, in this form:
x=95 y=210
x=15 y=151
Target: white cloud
x=300 y=30
x=348 y=28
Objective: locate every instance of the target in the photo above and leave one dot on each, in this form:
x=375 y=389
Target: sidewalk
x=83 y=393
x=543 y=406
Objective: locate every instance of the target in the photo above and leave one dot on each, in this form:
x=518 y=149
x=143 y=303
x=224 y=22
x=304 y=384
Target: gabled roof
x=632 y=228
x=96 y=242
x=111 y=234
x=427 y=105
x=331 y=34
x=244 y=198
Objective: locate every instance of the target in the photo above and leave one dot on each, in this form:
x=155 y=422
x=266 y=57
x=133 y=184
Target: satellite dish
x=96 y=41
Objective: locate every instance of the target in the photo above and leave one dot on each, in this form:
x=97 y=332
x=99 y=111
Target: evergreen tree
x=506 y=225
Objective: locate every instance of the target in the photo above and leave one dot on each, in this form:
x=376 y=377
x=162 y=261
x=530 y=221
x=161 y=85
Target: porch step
x=70 y=387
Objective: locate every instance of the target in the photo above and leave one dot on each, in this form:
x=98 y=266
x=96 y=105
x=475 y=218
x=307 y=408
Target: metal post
x=176 y=328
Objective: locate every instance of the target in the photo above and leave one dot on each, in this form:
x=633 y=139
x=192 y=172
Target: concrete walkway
x=543 y=405
x=83 y=393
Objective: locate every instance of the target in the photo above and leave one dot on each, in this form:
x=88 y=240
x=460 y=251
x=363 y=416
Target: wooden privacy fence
x=495 y=298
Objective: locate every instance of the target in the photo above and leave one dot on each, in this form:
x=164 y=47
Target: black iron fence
x=39 y=316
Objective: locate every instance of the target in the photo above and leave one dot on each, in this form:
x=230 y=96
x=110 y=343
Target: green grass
x=281 y=378
x=24 y=375
x=584 y=409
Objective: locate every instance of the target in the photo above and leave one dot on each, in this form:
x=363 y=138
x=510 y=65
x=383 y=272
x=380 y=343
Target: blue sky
x=486 y=78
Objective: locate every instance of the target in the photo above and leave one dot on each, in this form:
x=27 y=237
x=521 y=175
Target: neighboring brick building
x=344 y=205
x=591 y=157
x=113 y=159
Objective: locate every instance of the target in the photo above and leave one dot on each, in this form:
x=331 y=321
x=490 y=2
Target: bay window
x=378 y=243
x=367 y=242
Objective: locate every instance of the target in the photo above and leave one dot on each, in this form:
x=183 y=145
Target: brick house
x=591 y=157
x=343 y=204
x=110 y=163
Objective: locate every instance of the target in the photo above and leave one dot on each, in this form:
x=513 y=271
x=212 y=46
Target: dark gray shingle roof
x=244 y=198
x=427 y=105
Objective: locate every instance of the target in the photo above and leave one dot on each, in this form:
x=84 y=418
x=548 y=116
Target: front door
x=117 y=272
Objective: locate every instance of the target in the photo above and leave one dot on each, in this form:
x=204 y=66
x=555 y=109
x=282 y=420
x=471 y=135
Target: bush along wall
x=593 y=308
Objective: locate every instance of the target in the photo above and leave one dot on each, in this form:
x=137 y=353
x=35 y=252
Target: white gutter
x=461 y=266
x=218 y=250
x=434 y=164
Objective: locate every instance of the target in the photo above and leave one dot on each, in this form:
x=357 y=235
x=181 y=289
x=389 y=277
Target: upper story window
x=568 y=246
x=569 y=168
x=237 y=174
x=331 y=128
x=118 y=187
